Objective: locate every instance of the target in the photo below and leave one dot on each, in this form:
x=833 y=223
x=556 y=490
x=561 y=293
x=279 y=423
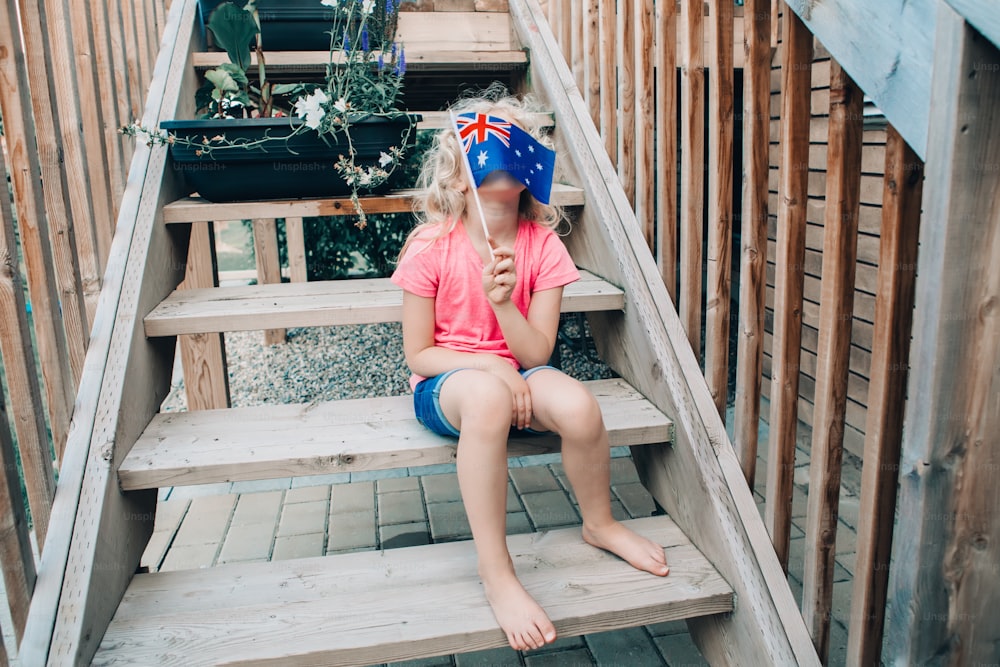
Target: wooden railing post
x=796 y=85
x=643 y=199
x=945 y=588
x=753 y=236
x=666 y=144
x=720 y=201
x=904 y=175
x=20 y=133
x=840 y=252
x=692 y=169
x=624 y=56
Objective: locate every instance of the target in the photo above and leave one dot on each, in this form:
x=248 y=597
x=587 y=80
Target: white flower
x=311 y=108
x=340 y=105
x=384 y=159
x=368 y=6
x=329 y=3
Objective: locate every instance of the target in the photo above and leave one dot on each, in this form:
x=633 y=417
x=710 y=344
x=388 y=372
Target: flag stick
x=472 y=181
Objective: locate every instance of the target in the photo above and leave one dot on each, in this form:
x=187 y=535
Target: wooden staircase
x=380 y=606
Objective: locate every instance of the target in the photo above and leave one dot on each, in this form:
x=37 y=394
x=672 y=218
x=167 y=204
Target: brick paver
x=549 y=509
x=298 y=546
x=534 y=480
x=632 y=646
x=448 y=521
x=402 y=507
x=303 y=519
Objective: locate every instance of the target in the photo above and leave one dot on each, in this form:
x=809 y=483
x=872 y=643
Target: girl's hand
x=499 y=276
x=521 y=408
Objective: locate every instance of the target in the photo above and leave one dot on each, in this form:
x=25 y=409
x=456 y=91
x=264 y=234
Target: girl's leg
x=564 y=405
x=478 y=404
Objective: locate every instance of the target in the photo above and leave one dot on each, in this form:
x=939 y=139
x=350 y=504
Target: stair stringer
x=698 y=480
x=111 y=528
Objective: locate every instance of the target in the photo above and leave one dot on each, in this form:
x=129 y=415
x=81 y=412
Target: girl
x=480 y=317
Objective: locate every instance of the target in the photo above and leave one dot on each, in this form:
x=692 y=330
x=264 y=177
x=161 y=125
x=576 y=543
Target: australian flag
x=492 y=143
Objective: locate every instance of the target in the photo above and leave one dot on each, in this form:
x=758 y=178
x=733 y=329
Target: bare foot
x=641 y=553
x=526 y=624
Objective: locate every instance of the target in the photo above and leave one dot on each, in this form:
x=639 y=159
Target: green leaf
x=234 y=29
x=222 y=80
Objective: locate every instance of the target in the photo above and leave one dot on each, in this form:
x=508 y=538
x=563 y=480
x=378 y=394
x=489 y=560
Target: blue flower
x=347 y=42
x=364 y=40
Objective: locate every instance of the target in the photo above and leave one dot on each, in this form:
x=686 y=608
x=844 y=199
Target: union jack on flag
x=494 y=144
x=477 y=128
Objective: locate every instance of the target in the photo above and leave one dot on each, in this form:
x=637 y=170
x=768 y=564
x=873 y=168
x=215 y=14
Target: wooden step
x=196 y=209
x=267 y=441
x=321 y=304
x=398 y=604
x=433 y=40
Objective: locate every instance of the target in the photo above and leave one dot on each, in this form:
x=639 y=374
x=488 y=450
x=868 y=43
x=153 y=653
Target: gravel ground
x=334 y=363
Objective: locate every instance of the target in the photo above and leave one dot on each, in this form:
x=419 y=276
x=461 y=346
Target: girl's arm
x=531 y=339
x=423 y=356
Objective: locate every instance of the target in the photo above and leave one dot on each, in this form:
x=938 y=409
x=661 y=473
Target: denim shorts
x=427 y=403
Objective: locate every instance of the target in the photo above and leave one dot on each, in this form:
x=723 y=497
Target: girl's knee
x=480 y=398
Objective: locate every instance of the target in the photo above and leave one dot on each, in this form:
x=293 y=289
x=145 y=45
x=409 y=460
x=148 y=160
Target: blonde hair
x=443 y=176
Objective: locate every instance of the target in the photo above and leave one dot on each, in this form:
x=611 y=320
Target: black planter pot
x=287 y=25
x=298 y=168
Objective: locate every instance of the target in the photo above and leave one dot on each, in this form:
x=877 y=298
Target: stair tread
x=417 y=57
x=398 y=604
x=196 y=209
x=266 y=441
x=321 y=303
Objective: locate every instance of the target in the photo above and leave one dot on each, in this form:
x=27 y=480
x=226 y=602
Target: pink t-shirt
x=450 y=270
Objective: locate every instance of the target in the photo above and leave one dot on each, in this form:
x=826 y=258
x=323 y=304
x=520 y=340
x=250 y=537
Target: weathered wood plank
x=983 y=16
x=63 y=94
x=942 y=603
x=194 y=209
x=644 y=114
x=92 y=135
x=692 y=147
x=699 y=482
x=52 y=571
x=797 y=55
x=16 y=353
x=886 y=399
x=265 y=247
x=322 y=303
x=609 y=80
x=836 y=312
x=592 y=58
x=718 y=292
x=886 y=47
x=33 y=227
x=100 y=27
x=753 y=237
x=625 y=106
x=262 y=442
x=666 y=144
x=111 y=528
x=203 y=354
x=296 y=241
x=334 y=610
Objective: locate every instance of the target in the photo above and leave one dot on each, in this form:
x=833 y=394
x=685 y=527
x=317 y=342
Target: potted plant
x=258 y=140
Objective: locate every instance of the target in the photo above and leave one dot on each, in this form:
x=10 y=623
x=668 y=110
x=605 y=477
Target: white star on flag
x=531 y=148
x=517 y=153
x=538 y=166
x=482 y=157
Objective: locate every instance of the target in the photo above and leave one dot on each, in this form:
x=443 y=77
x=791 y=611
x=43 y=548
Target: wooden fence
x=625 y=59
x=71 y=73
